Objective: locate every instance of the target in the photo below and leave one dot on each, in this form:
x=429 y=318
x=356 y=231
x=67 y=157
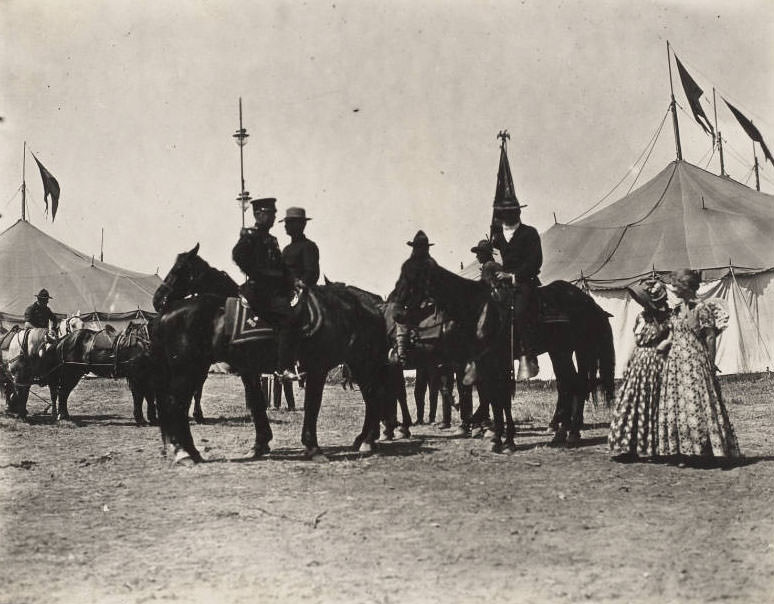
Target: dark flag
x=505 y=194
x=50 y=187
x=694 y=92
x=750 y=129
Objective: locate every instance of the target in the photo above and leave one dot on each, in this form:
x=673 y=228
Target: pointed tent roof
x=683 y=217
x=31 y=260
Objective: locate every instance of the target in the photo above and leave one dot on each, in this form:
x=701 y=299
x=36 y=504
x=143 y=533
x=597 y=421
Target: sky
x=380 y=118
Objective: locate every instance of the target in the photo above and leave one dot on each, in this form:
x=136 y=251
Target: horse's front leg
x=198 y=415
x=313 y=391
x=181 y=389
x=137 y=398
x=256 y=403
x=495 y=391
x=69 y=380
x=53 y=392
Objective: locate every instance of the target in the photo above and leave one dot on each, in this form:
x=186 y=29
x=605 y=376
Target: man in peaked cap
x=522 y=256
x=38 y=314
x=268 y=289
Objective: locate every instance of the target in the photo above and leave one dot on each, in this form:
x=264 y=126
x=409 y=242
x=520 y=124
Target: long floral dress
x=633 y=429
x=693 y=420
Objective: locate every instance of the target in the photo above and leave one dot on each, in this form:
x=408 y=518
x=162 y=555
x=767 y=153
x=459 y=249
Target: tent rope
x=651 y=143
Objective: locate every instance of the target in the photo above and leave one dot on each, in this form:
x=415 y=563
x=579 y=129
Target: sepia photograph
x=386 y=302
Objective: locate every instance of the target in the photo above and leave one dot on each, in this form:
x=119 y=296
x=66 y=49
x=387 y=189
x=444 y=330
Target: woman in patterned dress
x=693 y=421
x=633 y=429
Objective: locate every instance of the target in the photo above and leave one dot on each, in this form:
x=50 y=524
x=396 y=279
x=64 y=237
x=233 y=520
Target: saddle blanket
x=243 y=326
x=550 y=313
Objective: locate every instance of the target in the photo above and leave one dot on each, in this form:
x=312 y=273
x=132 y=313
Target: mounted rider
x=521 y=256
x=269 y=288
x=38 y=314
x=301 y=258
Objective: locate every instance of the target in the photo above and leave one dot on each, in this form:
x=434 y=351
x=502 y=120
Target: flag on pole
x=505 y=194
x=751 y=130
x=693 y=92
x=50 y=187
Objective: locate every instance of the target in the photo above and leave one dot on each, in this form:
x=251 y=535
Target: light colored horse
x=26 y=357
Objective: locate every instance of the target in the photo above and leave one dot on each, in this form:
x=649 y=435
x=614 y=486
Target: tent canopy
x=31 y=260
x=683 y=217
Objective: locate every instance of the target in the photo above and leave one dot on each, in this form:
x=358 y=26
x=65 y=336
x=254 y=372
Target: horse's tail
x=597 y=358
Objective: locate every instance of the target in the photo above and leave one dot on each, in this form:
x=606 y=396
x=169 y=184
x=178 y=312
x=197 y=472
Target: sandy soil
x=90 y=512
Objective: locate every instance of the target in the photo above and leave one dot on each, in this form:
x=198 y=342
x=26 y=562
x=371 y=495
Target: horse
x=395 y=380
x=25 y=360
x=191 y=336
x=104 y=352
x=482 y=331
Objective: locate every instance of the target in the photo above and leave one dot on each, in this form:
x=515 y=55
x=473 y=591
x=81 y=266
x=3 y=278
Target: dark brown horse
x=105 y=353
x=481 y=331
x=191 y=336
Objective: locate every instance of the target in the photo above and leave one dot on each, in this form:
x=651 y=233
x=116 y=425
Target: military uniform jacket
x=257 y=253
x=38 y=315
x=523 y=254
x=302 y=260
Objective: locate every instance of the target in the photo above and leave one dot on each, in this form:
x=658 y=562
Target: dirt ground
x=91 y=512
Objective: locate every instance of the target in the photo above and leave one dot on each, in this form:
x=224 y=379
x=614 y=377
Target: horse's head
x=181 y=279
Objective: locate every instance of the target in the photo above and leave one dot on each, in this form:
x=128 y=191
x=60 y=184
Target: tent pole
x=24 y=183
x=757 y=175
x=720 y=138
x=673 y=107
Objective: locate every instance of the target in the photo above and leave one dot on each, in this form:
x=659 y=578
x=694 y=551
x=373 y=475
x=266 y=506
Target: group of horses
x=167 y=361
x=358 y=328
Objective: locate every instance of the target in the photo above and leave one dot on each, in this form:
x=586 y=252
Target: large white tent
x=31 y=260
x=684 y=217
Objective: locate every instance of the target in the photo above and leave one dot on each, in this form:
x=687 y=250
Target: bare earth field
x=91 y=512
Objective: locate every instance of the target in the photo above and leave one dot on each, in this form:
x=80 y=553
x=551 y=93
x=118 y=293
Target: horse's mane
x=212 y=280
x=426 y=279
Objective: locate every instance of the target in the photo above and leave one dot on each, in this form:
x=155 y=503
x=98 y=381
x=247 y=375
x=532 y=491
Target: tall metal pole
x=24 y=184
x=720 y=138
x=673 y=106
x=240 y=137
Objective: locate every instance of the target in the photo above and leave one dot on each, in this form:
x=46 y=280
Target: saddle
x=242 y=325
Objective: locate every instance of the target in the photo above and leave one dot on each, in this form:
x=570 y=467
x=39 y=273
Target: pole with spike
x=240 y=137
x=720 y=138
x=673 y=106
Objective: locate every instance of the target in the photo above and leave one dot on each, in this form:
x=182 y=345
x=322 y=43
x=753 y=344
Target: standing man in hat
x=483 y=252
x=268 y=289
x=522 y=256
x=38 y=314
x=301 y=258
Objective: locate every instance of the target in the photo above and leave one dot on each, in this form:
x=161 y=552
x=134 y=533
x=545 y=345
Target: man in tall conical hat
x=522 y=256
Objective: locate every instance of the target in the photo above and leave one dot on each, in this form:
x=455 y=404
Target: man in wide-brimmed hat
x=38 y=314
x=522 y=256
x=301 y=258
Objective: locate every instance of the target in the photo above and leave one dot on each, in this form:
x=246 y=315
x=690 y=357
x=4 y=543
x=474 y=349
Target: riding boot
x=528 y=365
x=286 y=353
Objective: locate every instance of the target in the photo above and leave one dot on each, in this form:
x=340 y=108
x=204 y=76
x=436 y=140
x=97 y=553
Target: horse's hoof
x=63 y=417
x=573 y=439
x=461 y=431
x=496 y=447
x=489 y=434
x=366 y=448
x=509 y=448
x=199 y=419
x=182 y=458
x=315 y=454
x=386 y=436
x=259 y=450
x=140 y=423
x=559 y=438
x=403 y=432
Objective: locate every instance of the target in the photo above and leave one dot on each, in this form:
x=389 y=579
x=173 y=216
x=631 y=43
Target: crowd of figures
x=453 y=331
x=670 y=405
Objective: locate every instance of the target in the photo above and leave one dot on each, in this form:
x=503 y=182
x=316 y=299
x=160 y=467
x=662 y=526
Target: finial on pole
x=240 y=137
x=503 y=135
